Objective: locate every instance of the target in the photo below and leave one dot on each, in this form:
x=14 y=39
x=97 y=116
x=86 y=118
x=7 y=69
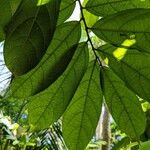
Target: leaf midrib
x=117 y=94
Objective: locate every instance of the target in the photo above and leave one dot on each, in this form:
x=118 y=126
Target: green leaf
x=48 y=106
x=2 y=36
x=28 y=35
x=89 y=18
x=82 y=115
x=128 y=24
x=53 y=63
x=132 y=66
x=7 y=10
x=66 y=9
x=123 y=105
x=107 y=7
x=145 y=146
x=42 y=2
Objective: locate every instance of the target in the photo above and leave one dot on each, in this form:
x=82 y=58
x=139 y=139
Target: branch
x=87 y=33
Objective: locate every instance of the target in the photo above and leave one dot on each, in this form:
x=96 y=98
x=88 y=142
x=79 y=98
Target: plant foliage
x=49 y=60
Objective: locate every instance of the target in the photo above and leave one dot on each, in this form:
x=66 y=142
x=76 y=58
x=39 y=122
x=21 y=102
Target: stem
x=87 y=32
x=106 y=131
x=6 y=145
x=20 y=110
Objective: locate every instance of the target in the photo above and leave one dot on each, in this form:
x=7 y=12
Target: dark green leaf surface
x=128 y=24
x=107 y=7
x=133 y=69
x=82 y=115
x=66 y=9
x=28 y=35
x=7 y=10
x=47 y=106
x=1 y=34
x=52 y=64
x=123 y=105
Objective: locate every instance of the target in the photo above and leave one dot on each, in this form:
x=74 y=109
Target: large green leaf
x=7 y=10
x=89 y=18
x=82 y=115
x=107 y=7
x=52 y=64
x=28 y=35
x=128 y=24
x=66 y=9
x=47 y=106
x=123 y=105
x=132 y=66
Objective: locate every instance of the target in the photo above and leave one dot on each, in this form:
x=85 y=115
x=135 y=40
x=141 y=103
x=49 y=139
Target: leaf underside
x=123 y=105
x=28 y=35
x=107 y=7
x=79 y=122
x=47 y=106
x=48 y=70
x=128 y=24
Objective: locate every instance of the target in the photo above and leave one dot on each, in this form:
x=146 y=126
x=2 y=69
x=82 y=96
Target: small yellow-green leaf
x=42 y=2
x=89 y=18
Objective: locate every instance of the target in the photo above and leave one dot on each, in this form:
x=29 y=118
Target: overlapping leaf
x=128 y=24
x=107 y=7
x=53 y=63
x=47 y=106
x=66 y=9
x=28 y=35
x=132 y=66
x=123 y=105
x=7 y=10
x=82 y=115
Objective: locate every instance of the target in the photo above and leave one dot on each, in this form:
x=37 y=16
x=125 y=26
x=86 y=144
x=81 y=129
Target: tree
x=52 y=70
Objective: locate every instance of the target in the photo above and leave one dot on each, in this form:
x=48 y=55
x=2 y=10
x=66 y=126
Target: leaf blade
x=79 y=122
x=128 y=24
x=56 y=97
x=129 y=115
x=133 y=69
x=66 y=9
x=7 y=10
x=47 y=71
x=28 y=35
x=105 y=7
